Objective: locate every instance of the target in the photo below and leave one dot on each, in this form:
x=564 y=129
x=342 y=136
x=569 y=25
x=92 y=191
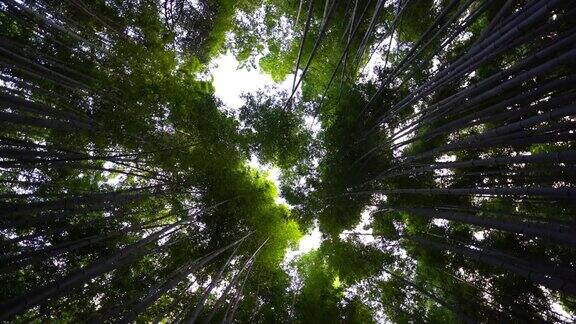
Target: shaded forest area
x=441 y=173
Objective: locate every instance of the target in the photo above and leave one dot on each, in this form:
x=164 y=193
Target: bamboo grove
x=430 y=142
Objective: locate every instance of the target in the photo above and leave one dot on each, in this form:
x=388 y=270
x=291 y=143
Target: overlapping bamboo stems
x=57 y=288
x=497 y=309
x=343 y=57
x=498 y=41
x=554 y=277
x=232 y=307
x=213 y=282
x=495 y=79
x=119 y=258
x=518 y=176
x=490 y=303
x=60 y=29
x=40 y=231
x=454 y=308
x=417 y=49
x=231 y=284
x=551 y=232
x=303 y=40
x=389 y=34
x=317 y=43
x=363 y=42
x=79 y=202
x=552 y=192
x=87 y=10
x=71 y=80
x=475 y=87
x=43 y=20
x=568 y=156
x=550 y=276
x=515 y=314
x=20 y=156
x=502 y=132
x=73 y=87
x=516 y=106
x=348 y=36
x=490 y=87
x=173 y=279
x=469 y=20
x=23 y=259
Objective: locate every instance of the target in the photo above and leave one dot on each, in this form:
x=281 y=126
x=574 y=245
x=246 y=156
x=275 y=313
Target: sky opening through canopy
x=230 y=81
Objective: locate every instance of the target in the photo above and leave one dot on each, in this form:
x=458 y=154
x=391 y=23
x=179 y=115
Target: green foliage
x=345 y=170
x=125 y=188
x=318 y=300
x=274 y=132
x=419 y=16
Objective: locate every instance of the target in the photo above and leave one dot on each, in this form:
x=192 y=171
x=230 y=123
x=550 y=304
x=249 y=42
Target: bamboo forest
x=287 y=161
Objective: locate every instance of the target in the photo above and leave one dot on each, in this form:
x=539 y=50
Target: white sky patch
x=307 y=243
x=194 y=286
x=480 y=235
x=314 y=125
x=557 y=308
x=446 y=158
x=435 y=64
x=440 y=222
x=230 y=81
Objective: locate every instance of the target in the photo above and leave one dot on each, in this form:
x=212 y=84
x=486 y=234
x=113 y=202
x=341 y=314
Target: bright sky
x=307 y=243
x=230 y=82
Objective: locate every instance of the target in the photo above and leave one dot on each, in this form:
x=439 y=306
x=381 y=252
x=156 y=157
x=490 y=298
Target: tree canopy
x=431 y=143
